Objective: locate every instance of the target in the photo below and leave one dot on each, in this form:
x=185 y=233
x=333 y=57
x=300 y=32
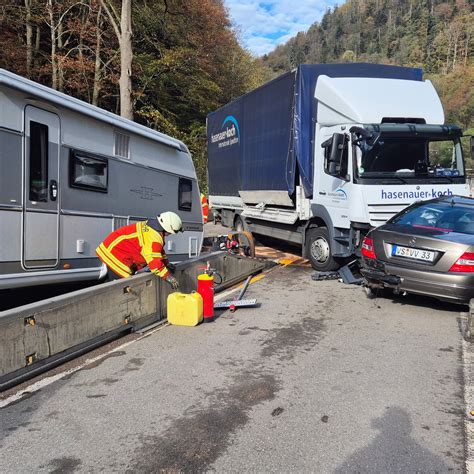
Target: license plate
x=417 y=254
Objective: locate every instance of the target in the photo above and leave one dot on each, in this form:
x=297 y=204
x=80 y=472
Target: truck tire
x=318 y=250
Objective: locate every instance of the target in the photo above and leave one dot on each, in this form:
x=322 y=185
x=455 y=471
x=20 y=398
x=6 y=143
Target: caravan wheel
x=318 y=250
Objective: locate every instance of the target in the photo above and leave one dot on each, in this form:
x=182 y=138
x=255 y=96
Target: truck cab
x=380 y=145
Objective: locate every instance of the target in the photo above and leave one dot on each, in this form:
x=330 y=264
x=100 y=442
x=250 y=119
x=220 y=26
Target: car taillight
x=464 y=264
x=368 y=248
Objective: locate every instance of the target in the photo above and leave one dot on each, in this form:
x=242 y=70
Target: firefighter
x=132 y=247
x=205 y=208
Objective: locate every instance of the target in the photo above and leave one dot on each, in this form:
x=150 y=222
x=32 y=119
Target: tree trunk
x=29 y=39
x=466 y=51
x=124 y=36
x=126 y=56
x=98 y=66
x=54 y=59
x=455 y=52
x=60 y=62
x=37 y=40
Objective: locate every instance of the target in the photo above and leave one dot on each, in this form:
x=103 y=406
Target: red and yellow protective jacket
x=132 y=247
x=205 y=208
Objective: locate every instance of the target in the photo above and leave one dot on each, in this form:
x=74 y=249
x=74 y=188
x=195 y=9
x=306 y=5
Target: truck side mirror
x=335 y=156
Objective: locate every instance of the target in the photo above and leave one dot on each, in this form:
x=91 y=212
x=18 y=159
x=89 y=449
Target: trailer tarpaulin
x=250 y=141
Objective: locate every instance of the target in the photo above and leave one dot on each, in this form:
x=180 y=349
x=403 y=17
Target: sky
x=263 y=25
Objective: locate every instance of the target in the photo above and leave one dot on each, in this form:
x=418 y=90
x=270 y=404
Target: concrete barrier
x=31 y=334
x=37 y=336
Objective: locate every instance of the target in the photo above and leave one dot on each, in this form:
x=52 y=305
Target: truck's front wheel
x=318 y=250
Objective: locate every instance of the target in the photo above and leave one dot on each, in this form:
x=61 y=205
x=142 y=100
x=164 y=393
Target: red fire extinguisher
x=206 y=290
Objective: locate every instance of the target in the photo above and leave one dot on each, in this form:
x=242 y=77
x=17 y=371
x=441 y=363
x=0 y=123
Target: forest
x=437 y=36
x=168 y=63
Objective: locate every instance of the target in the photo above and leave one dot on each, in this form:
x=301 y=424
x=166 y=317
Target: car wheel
x=318 y=250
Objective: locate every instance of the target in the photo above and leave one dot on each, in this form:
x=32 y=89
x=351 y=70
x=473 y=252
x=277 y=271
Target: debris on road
x=320 y=276
x=344 y=274
x=347 y=274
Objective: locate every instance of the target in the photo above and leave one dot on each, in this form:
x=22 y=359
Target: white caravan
x=71 y=173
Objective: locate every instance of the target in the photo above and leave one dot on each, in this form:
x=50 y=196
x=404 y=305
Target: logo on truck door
x=339 y=194
x=229 y=134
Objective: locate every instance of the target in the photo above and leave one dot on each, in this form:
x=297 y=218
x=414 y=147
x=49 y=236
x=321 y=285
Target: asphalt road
x=319 y=378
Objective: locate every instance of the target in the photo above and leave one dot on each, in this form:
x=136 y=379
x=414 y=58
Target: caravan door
x=40 y=246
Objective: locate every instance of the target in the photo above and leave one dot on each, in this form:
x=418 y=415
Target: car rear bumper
x=454 y=287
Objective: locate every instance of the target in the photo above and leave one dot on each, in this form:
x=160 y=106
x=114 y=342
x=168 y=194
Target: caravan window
x=38 y=162
x=185 y=194
x=88 y=172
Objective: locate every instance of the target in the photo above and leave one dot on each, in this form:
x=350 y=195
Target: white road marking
x=468 y=369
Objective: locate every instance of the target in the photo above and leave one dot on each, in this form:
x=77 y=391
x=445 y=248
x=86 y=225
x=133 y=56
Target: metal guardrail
x=38 y=336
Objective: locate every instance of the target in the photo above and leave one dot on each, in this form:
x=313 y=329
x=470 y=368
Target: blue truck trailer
x=321 y=154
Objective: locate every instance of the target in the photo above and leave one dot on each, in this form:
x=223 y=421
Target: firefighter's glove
x=173 y=282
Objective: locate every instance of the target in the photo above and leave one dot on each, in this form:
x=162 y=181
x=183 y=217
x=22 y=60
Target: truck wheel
x=318 y=250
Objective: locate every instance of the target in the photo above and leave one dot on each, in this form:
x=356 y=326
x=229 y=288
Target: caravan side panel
x=85 y=133
x=11 y=197
x=10 y=168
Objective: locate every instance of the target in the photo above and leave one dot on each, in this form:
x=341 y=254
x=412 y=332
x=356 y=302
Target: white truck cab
x=374 y=156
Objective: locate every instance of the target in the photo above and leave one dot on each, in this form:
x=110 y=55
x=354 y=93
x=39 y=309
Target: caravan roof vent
x=122 y=145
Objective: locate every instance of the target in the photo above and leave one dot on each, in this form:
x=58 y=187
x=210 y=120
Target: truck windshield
x=435 y=158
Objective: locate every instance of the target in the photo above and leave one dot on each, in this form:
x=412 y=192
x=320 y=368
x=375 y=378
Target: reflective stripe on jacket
x=132 y=247
x=205 y=208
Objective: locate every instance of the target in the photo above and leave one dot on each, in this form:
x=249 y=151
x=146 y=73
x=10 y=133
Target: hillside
x=437 y=36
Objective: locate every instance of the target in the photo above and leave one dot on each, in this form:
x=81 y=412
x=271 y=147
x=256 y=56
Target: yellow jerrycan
x=185 y=309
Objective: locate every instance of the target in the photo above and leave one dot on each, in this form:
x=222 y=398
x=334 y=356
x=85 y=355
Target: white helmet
x=170 y=222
